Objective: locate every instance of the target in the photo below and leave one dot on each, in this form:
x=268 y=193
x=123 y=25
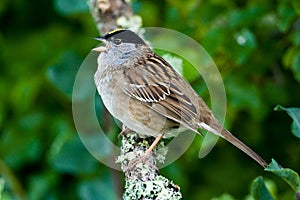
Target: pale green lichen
x=161 y=152
x=133 y=23
x=132 y=149
x=142 y=179
x=160 y=189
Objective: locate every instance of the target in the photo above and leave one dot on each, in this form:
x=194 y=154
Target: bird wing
x=154 y=82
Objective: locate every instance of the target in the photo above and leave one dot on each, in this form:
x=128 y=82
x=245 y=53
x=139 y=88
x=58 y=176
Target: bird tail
x=239 y=144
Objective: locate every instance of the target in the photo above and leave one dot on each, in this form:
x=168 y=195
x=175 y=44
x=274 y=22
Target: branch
x=107 y=12
x=142 y=180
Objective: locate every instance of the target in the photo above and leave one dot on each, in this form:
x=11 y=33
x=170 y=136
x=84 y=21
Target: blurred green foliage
x=255 y=44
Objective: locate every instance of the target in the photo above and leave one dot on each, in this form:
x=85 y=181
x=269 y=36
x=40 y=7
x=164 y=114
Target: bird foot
x=124 y=132
x=144 y=160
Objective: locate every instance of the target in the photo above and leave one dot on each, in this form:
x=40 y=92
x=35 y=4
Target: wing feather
x=158 y=83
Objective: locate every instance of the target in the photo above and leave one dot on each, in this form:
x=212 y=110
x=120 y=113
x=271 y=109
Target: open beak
x=100 y=48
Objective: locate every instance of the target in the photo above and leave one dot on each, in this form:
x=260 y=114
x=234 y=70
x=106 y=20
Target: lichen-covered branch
x=142 y=180
x=107 y=12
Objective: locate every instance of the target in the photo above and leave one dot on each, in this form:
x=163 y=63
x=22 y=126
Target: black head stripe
x=112 y=33
x=126 y=36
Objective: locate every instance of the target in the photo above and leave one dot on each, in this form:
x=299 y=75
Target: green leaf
x=16 y=150
x=40 y=185
x=296 y=6
x=68 y=7
x=259 y=190
x=214 y=38
x=289 y=55
x=295 y=37
x=73 y=158
x=26 y=89
x=244 y=95
x=288 y=175
x=97 y=189
x=286 y=16
x=294 y=113
x=244 y=46
x=245 y=17
x=296 y=66
x=62 y=74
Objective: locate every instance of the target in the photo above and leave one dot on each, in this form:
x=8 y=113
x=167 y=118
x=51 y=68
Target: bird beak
x=101 y=48
x=100 y=39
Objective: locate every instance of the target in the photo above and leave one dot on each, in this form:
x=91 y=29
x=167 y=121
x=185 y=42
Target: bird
x=145 y=93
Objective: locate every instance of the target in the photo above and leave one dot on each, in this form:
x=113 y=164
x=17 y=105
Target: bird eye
x=117 y=41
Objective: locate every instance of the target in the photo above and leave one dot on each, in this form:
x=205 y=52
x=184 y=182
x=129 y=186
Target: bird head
x=121 y=40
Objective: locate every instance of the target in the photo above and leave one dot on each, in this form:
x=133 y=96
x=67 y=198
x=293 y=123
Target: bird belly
x=134 y=114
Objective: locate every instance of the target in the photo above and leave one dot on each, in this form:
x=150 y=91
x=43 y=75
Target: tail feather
x=222 y=132
x=239 y=144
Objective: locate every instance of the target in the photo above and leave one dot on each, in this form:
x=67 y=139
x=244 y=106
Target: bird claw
x=124 y=132
x=141 y=160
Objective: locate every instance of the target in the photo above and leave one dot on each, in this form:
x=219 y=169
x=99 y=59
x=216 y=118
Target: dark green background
x=42 y=44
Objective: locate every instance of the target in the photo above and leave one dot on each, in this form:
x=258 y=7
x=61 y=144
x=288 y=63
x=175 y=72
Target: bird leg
x=153 y=145
x=124 y=131
x=143 y=159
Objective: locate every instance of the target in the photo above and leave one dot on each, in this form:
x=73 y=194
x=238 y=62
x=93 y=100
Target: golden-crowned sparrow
x=148 y=96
